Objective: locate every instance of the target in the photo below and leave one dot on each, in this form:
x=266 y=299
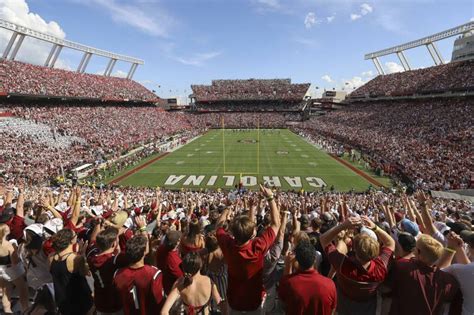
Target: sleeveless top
x=5 y=260
x=72 y=293
x=188 y=248
x=197 y=310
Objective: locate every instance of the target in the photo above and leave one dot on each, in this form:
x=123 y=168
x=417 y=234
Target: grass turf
x=279 y=152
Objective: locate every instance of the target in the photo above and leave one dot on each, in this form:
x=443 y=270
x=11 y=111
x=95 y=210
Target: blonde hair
x=430 y=249
x=300 y=236
x=365 y=247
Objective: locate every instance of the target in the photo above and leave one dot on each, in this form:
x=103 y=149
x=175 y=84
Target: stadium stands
x=41 y=139
x=428 y=143
x=68 y=249
x=17 y=78
x=450 y=77
x=250 y=90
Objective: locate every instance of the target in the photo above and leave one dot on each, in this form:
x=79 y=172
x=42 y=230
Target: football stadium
x=146 y=169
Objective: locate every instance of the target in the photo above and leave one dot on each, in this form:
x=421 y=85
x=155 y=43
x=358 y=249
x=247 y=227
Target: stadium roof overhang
x=428 y=41
x=20 y=32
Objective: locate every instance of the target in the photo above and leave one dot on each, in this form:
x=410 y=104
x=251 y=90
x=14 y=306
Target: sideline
x=140 y=167
x=136 y=169
x=366 y=176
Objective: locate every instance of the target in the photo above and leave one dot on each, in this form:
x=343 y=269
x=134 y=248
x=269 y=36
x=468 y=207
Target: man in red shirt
x=418 y=286
x=168 y=260
x=244 y=254
x=359 y=276
x=104 y=261
x=140 y=286
x=306 y=291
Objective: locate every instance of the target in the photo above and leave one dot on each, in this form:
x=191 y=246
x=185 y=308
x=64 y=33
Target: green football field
x=220 y=159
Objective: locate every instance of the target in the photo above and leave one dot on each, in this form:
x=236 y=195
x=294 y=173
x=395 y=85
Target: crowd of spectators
x=243 y=120
x=257 y=106
x=27 y=79
x=454 y=76
x=252 y=89
x=428 y=142
x=40 y=140
x=153 y=251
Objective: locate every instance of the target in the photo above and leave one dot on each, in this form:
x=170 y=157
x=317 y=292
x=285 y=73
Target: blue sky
x=186 y=42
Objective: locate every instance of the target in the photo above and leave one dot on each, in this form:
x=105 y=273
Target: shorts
x=11 y=272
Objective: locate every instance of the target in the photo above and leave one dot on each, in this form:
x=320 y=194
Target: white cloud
x=197 y=59
x=273 y=4
x=369 y=73
x=392 y=67
x=355 y=17
x=327 y=78
x=155 y=23
x=119 y=74
x=353 y=83
x=472 y=19
x=310 y=20
x=330 y=18
x=32 y=51
x=365 y=9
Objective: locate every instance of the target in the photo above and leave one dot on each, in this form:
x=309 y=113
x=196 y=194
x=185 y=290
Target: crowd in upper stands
x=252 y=89
x=454 y=76
x=427 y=141
x=27 y=79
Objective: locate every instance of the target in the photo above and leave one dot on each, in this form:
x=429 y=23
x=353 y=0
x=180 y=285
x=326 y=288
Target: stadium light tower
x=428 y=41
x=20 y=32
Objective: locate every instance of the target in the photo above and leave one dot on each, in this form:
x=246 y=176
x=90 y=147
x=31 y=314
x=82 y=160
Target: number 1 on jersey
x=133 y=291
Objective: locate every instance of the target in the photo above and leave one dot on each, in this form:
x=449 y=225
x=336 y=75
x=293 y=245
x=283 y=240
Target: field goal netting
x=241 y=149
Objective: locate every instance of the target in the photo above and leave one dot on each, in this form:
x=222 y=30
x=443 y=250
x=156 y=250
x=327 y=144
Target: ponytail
x=191 y=265
x=188 y=280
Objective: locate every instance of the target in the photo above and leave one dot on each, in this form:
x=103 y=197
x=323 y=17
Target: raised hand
x=140 y=221
x=267 y=192
x=454 y=241
x=367 y=222
x=352 y=223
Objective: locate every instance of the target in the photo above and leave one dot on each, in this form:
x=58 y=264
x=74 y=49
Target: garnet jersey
x=140 y=290
x=103 y=268
x=123 y=238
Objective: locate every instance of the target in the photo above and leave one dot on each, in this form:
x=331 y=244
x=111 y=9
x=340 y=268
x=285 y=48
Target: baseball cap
x=457 y=227
x=35 y=228
x=119 y=218
x=369 y=232
x=53 y=226
x=410 y=227
x=7 y=214
x=442 y=227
